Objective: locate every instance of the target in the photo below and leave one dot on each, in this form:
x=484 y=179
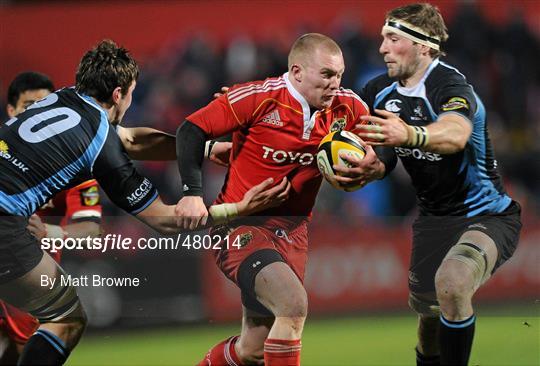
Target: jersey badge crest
x=90 y=196
x=245 y=238
x=338 y=124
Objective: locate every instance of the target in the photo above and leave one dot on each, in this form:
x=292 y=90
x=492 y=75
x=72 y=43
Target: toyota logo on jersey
x=282 y=156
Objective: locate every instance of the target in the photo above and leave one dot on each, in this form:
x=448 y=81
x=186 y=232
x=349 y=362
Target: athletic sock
x=44 y=348
x=422 y=360
x=281 y=352
x=456 y=340
x=222 y=354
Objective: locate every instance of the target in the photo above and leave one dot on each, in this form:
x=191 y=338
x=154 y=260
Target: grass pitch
x=508 y=338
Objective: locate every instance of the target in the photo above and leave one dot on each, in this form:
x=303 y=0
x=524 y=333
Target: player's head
x=316 y=66
x=25 y=89
x=410 y=34
x=108 y=74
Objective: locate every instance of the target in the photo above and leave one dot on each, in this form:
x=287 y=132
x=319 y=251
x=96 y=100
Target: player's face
x=401 y=55
x=25 y=99
x=321 y=79
x=123 y=104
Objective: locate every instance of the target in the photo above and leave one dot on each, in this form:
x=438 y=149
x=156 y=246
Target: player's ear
x=117 y=95
x=296 y=71
x=424 y=50
x=10 y=111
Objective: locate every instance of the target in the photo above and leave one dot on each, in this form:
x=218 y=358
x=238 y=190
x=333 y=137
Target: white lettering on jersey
x=140 y=192
x=417 y=154
x=282 y=156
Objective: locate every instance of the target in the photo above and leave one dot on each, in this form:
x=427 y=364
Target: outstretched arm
x=448 y=135
x=168 y=219
x=145 y=143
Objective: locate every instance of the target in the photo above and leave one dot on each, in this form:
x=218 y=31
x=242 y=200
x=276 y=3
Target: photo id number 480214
x=210 y=242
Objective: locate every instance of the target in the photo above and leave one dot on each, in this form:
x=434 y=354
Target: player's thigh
x=431 y=243
x=484 y=244
x=21 y=291
x=279 y=289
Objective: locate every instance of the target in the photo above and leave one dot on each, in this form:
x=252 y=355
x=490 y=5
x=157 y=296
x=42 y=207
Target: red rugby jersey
x=275 y=135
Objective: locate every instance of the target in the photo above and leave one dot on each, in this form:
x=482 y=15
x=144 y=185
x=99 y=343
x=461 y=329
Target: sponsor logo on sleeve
x=90 y=196
x=5 y=154
x=139 y=193
x=455 y=103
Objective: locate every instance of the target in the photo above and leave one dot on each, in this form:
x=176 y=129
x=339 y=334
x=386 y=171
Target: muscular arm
x=145 y=143
x=449 y=134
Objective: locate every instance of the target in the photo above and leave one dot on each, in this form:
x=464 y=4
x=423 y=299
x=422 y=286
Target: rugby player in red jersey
x=277 y=125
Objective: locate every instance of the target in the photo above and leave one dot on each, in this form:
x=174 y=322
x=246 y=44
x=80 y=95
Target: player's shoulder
x=260 y=89
x=347 y=96
x=445 y=74
x=378 y=83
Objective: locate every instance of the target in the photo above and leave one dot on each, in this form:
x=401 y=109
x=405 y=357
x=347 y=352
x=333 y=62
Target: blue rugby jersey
x=59 y=142
x=464 y=183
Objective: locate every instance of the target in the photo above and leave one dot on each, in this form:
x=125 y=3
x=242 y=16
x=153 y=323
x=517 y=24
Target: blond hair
x=307 y=44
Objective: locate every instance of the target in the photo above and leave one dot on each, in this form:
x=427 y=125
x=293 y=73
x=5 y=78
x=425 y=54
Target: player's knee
x=453 y=283
x=294 y=306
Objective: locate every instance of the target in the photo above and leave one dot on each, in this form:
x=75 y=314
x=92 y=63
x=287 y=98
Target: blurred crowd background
x=496 y=45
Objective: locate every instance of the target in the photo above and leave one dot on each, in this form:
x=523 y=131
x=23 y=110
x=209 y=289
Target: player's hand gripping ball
x=329 y=150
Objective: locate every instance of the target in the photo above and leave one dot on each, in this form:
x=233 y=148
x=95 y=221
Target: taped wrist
x=208 y=148
x=223 y=213
x=55 y=232
x=190 y=150
x=417 y=136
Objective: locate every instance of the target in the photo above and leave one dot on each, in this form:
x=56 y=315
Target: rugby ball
x=331 y=146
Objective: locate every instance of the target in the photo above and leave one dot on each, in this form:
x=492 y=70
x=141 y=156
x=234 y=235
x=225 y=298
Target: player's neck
x=109 y=109
x=418 y=75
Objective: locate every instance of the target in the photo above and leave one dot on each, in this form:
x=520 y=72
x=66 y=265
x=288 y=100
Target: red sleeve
x=226 y=114
x=83 y=203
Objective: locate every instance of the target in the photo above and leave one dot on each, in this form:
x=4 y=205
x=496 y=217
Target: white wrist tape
x=223 y=212
x=417 y=136
x=55 y=232
x=208 y=146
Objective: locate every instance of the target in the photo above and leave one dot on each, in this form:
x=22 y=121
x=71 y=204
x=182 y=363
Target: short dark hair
x=25 y=81
x=424 y=16
x=103 y=69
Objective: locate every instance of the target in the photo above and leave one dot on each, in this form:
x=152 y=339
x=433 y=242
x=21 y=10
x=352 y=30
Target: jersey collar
x=412 y=90
x=309 y=120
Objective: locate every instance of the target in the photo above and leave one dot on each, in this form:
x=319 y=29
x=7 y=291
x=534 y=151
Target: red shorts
x=292 y=245
x=17 y=324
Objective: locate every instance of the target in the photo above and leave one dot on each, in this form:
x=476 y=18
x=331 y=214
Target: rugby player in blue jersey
x=57 y=143
x=468 y=226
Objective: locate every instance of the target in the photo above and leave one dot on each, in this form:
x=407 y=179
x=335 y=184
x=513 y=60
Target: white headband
x=413 y=33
